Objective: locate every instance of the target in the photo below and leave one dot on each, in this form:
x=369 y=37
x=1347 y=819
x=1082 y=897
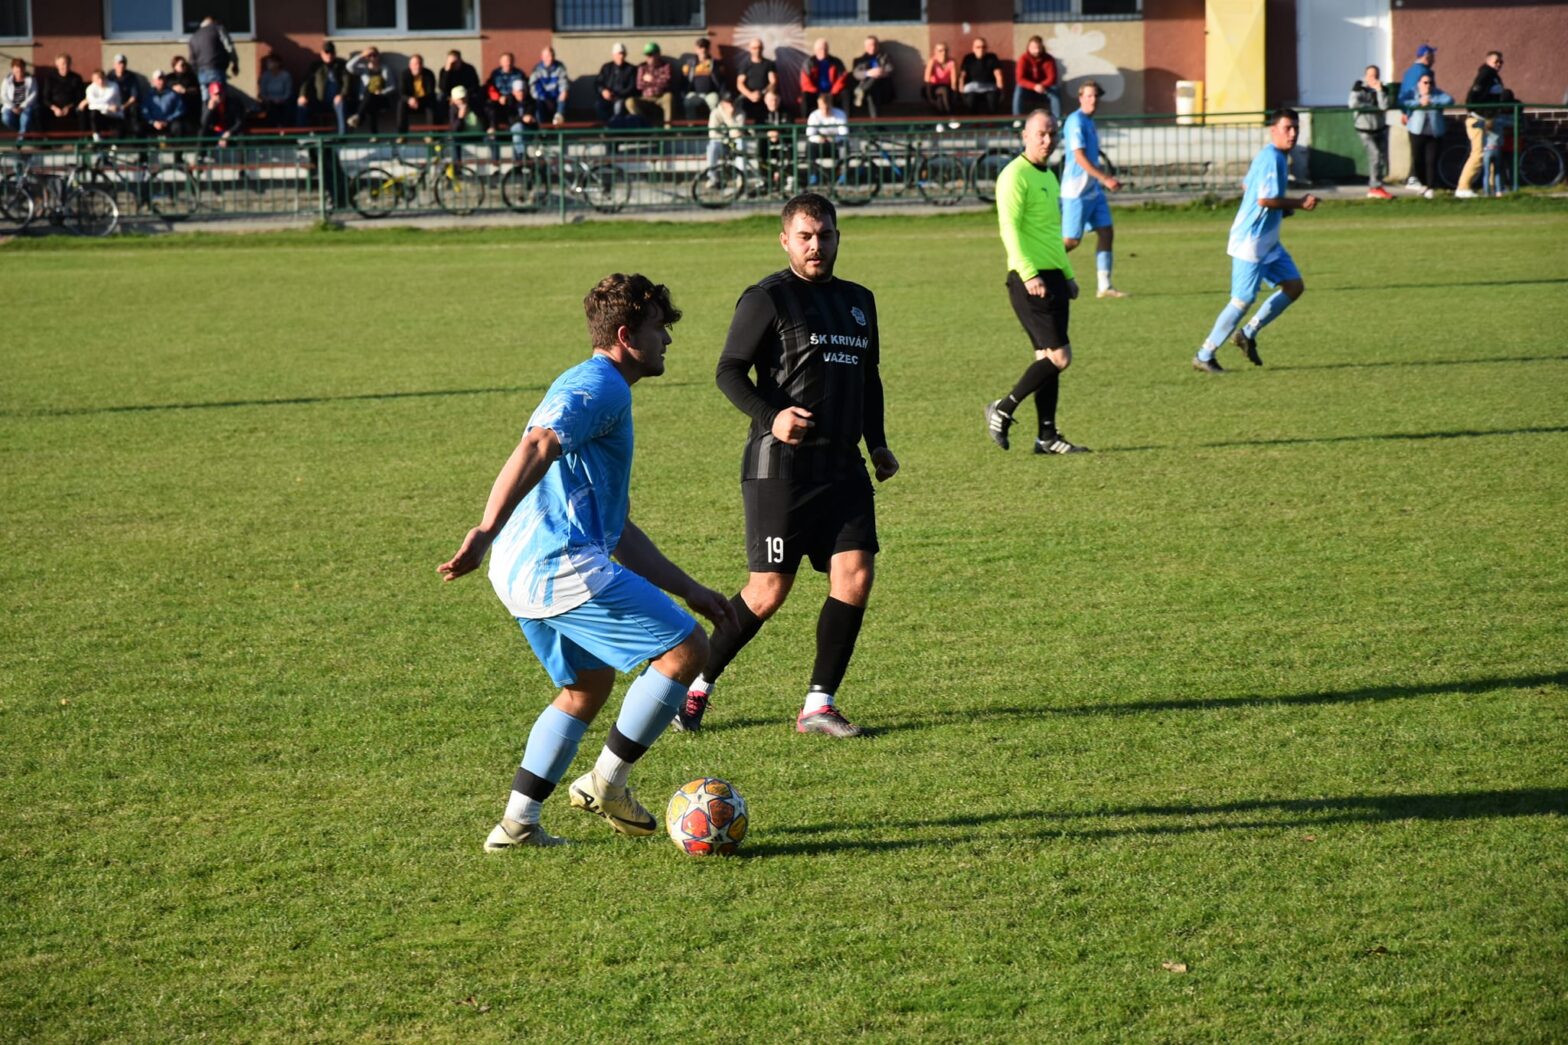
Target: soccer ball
x=707 y=817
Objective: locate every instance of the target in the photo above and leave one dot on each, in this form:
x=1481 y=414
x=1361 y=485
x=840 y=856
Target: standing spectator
x=655 y=102
x=417 y=94
x=325 y=88
x=275 y=91
x=980 y=80
x=757 y=76
x=62 y=96
x=183 y=79
x=822 y=74
x=940 y=80
x=616 y=82
x=703 y=78
x=725 y=122
x=1426 y=58
x=1035 y=86
x=1366 y=98
x=100 y=105
x=212 y=53
x=872 y=72
x=19 y=100
x=1426 y=129
x=164 y=109
x=548 y=83
x=457 y=73
x=827 y=130
x=1486 y=89
x=130 y=86
x=374 y=87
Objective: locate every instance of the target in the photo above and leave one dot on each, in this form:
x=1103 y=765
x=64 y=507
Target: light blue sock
x=649 y=707
x=1102 y=265
x=1229 y=317
x=552 y=744
x=1278 y=302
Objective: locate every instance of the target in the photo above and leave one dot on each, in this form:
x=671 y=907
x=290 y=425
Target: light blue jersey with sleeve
x=553 y=554
x=1079 y=133
x=1254 y=234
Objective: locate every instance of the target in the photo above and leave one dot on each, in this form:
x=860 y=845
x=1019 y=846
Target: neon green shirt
x=1031 y=220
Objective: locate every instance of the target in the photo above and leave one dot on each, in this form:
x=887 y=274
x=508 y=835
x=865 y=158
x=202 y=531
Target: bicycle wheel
x=525 y=187
x=718 y=186
x=608 y=187
x=458 y=189
x=942 y=179
x=172 y=192
x=1450 y=164
x=16 y=203
x=374 y=193
x=1106 y=165
x=1541 y=166
x=856 y=181
x=987 y=168
x=91 y=212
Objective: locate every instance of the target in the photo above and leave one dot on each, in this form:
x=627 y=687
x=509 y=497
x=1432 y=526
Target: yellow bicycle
x=376 y=191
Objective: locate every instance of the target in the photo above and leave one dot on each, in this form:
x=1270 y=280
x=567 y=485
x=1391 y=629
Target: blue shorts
x=1245 y=276
x=1079 y=216
x=628 y=622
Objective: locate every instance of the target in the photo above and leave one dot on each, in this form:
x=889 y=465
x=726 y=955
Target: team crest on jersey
x=860 y=317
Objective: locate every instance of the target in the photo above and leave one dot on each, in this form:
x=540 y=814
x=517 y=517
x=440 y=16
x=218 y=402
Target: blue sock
x=1229 y=317
x=1278 y=302
x=1102 y=267
x=649 y=707
x=552 y=744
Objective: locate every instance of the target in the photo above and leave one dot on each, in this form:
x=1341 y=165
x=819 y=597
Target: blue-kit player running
x=556 y=516
x=1084 y=185
x=1257 y=255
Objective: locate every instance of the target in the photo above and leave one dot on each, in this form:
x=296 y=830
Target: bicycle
x=61 y=198
x=526 y=187
x=938 y=177
x=375 y=191
x=171 y=192
x=737 y=175
x=853 y=180
x=988 y=167
x=1541 y=165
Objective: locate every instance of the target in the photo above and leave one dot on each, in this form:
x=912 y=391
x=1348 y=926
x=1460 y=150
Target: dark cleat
x=997 y=424
x=1058 y=444
x=827 y=721
x=689 y=718
x=1208 y=366
x=1248 y=345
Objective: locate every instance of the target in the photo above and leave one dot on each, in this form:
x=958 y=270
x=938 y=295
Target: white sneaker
x=1428 y=194
x=1464 y=194
x=513 y=834
x=593 y=794
x=1413 y=183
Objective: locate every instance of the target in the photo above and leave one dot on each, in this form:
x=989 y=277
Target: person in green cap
x=654 y=100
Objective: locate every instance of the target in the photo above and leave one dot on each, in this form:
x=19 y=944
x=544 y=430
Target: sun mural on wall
x=781 y=26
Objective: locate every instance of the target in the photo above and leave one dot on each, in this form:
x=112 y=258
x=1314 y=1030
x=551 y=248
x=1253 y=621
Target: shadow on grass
x=1421 y=362
x=1459 y=433
x=1176 y=819
x=1319 y=288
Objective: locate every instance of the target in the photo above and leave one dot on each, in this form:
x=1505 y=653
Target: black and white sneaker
x=1248 y=344
x=997 y=424
x=1208 y=366
x=1058 y=445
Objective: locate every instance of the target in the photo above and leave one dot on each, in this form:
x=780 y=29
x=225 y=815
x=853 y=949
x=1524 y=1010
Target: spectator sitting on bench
x=941 y=80
x=703 y=81
x=547 y=84
x=375 y=87
x=325 y=89
x=725 y=123
x=500 y=89
x=417 y=90
x=164 y=109
x=827 y=129
x=183 y=79
x=514 y=112
x=616 y=82
x=19 y=100
x=779 y=152
x=223 y=116
x=654 y=102
x=756 y=77
x=872 y=72
x=62 y=96
x=101 y=106
x=980 y=80
x=131 y=92
x=275 y=92
x=463 y=119
x=823 y=74
x=454 y=74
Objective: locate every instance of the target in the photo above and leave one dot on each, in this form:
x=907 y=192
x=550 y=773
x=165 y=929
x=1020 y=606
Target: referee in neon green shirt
x=1039 y=281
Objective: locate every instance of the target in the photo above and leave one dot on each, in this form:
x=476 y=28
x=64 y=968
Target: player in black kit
x=812 y=340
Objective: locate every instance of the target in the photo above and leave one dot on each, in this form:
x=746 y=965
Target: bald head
x=1039 y=136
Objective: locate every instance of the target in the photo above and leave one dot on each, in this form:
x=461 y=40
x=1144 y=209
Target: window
x=1045 y=10
x=14 y=21
x=402 y=16
x=630 y=14
x=167 y=19
x=855 y=12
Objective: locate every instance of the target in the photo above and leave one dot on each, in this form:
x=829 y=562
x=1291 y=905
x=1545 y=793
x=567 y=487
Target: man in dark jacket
x=212 y=53
x=325 y=89
x=61 y=96
x=1485 y=90
x=457 y=73
x=417 y=95
x=616 y=82
x=823 y=73
x=872 y=72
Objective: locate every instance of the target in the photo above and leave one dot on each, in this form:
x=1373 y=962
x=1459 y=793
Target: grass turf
x=1271 y=687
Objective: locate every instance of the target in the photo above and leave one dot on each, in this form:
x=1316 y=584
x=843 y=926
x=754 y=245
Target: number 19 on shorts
x=774 y=548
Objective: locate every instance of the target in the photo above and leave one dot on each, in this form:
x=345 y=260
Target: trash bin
x=1189 y=102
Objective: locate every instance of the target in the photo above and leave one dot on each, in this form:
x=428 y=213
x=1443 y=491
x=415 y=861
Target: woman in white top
x=102 y=105
x=725 y=121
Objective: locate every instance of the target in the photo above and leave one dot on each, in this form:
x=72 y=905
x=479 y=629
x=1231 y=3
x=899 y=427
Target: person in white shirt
x=18 y=99
x=724 y=122
x=827 y=128
x=102 y=106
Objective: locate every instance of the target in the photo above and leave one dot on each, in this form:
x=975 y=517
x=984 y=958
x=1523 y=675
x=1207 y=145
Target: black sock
x=1040 y=373
x=535 y=787
x=728 y=641
x=1045 y=403
x=837 y=629
x=622 y=747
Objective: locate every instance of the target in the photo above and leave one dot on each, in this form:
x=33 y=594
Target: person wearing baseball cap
x=616 y=82
x=654 y=103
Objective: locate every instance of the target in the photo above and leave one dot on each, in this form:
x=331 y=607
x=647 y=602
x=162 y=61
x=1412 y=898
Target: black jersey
x=815 y=346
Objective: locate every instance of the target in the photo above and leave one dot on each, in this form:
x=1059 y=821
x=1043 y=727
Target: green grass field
x=1273 y=686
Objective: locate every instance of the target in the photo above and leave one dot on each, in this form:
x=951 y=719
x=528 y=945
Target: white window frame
x=1076 y=14
x=401 y=29
x=628 y=21
x=27 y=36
x=862 y=16
x=176 y=19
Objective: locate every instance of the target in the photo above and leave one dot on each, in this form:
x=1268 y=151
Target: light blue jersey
x=554 y=552
x=1254 y=235
x=1079 y=133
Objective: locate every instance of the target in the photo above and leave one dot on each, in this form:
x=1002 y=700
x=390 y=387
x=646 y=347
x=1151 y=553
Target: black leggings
x=1423 y=159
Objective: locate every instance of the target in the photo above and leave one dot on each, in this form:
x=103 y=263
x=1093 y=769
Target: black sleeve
x=872 y=424
x=754 y=316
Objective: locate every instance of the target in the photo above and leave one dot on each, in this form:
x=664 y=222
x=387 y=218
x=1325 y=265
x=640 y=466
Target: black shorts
x=787 y=520
x=1044 y=319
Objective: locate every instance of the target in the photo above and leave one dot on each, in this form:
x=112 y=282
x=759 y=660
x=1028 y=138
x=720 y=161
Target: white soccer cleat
x=513 y=834
x=1464 y=194
x=1110 y=292
x=593 y=794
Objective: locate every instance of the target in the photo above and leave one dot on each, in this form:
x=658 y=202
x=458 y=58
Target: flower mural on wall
x=781 y=26
x=1078 y=52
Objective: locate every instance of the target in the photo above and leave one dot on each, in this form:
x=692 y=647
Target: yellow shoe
x=512 y=834
x=593 y=794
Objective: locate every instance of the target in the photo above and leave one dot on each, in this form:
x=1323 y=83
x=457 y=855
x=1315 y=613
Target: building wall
x=1532 y=36
x=1173 y=42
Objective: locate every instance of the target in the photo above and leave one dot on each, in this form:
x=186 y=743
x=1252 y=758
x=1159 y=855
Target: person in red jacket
x=1035 y=80
x=823 y=74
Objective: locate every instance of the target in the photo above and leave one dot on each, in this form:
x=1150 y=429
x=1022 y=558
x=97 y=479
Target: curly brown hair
x=620 y=300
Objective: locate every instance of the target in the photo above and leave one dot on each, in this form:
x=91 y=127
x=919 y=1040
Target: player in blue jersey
x=1257 y=256
x=1084 y=185
x=556 y=515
